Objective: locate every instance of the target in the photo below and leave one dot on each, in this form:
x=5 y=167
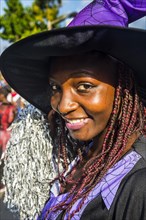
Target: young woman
x=92 y=89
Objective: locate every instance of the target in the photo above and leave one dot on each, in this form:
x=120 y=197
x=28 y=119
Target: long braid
x=126 y=118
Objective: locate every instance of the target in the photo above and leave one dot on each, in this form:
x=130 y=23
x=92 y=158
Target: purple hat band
x=110 y=12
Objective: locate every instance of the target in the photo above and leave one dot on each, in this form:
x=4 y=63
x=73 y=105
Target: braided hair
x=128 y=117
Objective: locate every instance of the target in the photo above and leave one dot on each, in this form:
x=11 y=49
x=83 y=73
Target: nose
x=67 y=102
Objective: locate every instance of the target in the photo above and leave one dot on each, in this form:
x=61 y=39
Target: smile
x=74 y=121
x=76 y=124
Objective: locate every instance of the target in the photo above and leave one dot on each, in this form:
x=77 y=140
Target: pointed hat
x=101 y=26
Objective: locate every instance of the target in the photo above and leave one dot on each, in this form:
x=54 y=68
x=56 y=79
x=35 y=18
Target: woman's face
x=83 y=91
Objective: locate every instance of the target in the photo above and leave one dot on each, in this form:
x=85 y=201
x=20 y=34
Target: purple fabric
x=107 y=188
x=110 y=12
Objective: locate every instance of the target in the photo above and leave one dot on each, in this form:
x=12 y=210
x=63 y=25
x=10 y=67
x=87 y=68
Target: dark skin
x=83 y=94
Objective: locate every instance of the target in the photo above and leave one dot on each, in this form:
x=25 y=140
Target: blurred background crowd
x=10 y=104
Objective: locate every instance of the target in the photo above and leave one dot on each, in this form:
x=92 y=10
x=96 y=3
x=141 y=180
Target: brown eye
x=84 y=87
x=55 y=88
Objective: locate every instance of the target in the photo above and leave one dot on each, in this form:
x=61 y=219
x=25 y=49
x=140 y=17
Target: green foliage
x=48 y=3
x=19 y=21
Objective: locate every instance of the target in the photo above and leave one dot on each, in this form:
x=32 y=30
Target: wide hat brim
x=25 y=64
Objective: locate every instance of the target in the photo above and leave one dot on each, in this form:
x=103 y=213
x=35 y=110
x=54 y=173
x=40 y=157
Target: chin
x=82 y=138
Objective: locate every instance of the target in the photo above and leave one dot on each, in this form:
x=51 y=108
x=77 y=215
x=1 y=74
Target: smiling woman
x=90 y=84
x=83 y=93
x=100 y=107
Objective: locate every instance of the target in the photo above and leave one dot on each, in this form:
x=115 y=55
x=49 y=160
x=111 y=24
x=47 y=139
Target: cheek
x=103 y=100
x=101 y=105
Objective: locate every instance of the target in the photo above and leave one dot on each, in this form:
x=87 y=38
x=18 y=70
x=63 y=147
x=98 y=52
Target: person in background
x=90 y=83
x=16 y=100
x=7 y=115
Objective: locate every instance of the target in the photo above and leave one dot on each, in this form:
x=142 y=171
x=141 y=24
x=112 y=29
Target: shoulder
x=135 y=182
x=135 y=179
x=130 y=201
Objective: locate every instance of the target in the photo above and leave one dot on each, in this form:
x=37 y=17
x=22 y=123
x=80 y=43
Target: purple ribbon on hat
x=110 y=12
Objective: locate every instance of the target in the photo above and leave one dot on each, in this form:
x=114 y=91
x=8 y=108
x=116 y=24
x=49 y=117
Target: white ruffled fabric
x=29 y=166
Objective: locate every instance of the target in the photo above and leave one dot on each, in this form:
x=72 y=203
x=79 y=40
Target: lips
x=76 y=124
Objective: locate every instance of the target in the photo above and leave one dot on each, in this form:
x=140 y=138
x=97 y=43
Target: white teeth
x=75 y=121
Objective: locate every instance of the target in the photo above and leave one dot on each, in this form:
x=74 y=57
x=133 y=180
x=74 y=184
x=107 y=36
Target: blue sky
x=68 y=6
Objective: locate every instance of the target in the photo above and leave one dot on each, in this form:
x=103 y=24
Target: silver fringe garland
x=29 y=166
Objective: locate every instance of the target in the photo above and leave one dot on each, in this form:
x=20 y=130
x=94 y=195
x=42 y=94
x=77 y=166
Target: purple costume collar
x=107 y=188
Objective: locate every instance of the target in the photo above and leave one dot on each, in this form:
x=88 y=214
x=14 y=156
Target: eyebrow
x=79 y=73
x=82 y=72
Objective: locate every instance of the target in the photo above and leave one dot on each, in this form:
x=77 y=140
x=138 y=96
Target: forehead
x=95 y=65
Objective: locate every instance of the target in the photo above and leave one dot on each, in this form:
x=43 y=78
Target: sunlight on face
x=83 y=89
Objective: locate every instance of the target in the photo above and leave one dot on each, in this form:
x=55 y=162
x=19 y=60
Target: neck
x=98 y=142
x=97 y=145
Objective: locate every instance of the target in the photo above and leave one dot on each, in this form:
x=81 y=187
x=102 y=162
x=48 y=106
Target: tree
x=19 y=21
x=42 y=3
x=10 y=24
